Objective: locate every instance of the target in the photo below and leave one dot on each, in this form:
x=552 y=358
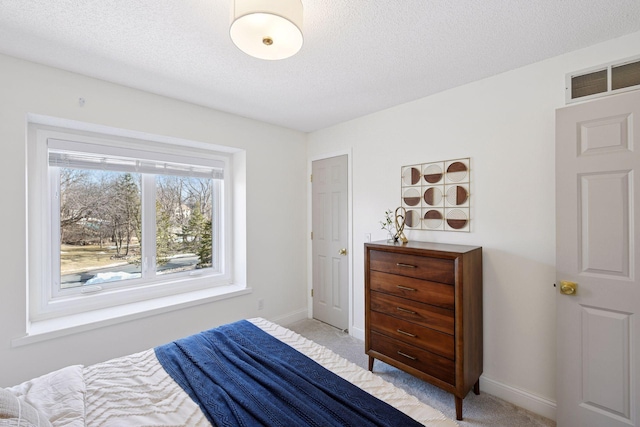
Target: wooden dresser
x=423 y=312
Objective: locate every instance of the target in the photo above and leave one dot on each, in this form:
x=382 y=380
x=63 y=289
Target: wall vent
x=607 y=79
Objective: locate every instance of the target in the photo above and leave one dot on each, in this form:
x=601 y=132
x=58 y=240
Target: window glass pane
x=100 y=226
x=626 y=75
x=183 y=223
x=589 y=84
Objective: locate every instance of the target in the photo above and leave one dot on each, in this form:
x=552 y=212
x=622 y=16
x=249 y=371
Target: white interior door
x=329 y=247
x=598 y=231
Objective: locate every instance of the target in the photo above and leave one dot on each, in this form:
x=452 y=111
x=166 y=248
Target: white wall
x=506 y=124
x=275 y=225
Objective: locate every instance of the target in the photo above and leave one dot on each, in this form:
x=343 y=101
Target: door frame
x=310 y=161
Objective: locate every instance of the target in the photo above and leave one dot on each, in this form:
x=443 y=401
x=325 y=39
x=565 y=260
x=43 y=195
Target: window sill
x=67 y=325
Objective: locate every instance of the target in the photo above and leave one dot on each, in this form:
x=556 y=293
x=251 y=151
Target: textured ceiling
x=359 y=56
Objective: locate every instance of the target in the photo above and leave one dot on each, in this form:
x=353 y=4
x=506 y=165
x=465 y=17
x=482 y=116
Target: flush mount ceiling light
x=267 y=29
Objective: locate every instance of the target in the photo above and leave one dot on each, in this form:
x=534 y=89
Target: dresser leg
x=371 y=359
x=458 y=408
x=476 y=387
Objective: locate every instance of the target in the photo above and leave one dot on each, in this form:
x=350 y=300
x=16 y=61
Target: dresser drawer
x=422 y=360
x=434 y=269
x=411 y=333
x=430 y=316
x=433 y=293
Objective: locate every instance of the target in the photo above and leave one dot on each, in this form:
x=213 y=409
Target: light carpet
x=482 y=410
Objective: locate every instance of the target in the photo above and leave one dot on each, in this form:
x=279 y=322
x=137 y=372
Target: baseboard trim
x=290 y=318
x=519 y=397
x=357 y=333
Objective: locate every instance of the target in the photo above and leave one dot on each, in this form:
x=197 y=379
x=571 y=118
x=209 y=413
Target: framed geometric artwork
x=436 y=195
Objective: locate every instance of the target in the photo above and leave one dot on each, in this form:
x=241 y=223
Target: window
x=606 y=79
x=106 y=234
x=116 y=220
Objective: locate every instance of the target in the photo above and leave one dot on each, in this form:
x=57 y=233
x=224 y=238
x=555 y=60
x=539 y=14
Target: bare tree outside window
x=183 y=222
x=101 y=225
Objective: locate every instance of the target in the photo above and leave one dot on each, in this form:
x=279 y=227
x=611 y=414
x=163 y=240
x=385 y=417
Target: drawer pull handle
x=405 y=265
x=405 y=333
x=404 y=288
x=407 y=356
x=404 y=310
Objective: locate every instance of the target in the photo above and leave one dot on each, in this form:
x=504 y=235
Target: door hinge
x=312 y=235
x=311 y=293
x=311 y=178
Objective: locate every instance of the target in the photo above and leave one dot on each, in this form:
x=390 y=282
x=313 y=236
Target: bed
x=252 y=372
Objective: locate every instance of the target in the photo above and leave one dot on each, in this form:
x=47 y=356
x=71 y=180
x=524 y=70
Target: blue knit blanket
x=241 y=376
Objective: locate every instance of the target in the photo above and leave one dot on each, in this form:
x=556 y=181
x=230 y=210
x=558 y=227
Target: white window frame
x=82 y=155
x=568 y=96
x=47 y=306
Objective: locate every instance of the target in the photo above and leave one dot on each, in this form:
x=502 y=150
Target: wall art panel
x=437 y=195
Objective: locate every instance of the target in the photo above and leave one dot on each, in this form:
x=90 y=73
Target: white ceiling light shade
x=267 y=29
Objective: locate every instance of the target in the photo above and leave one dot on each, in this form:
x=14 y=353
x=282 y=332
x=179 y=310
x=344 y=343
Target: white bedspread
x=135 y=390
x=58 y=395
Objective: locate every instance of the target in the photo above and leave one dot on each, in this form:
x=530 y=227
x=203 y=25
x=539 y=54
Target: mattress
x=135 y=390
